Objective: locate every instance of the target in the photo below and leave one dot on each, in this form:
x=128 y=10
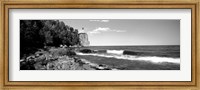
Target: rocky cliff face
x=83 y=38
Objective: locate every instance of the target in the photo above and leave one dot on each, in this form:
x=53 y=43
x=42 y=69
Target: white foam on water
x=154 y=59
x=115 y=51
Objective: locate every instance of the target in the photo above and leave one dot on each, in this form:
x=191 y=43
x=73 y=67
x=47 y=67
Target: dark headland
x=51 y=45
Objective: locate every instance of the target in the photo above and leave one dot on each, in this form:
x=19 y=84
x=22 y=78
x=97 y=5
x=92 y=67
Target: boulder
x=86 y=51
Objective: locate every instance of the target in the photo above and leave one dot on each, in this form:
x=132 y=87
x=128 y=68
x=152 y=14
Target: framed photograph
x=100 y=44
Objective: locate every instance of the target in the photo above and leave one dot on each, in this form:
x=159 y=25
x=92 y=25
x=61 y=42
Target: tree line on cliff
x=36 y=34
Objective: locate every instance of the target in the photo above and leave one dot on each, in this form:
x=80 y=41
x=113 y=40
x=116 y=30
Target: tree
x=29 y=36
x=39 y=33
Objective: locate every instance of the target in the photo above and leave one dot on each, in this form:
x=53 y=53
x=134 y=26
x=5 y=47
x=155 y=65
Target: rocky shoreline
x=58 y=59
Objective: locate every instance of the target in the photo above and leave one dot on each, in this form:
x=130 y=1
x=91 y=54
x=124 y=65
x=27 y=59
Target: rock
x=86 y=51
x=30 y=58
x=86 y=67
x=83 y=38
x=26 y=65
x=38 y=54
x=44 y=62
x=102 y=65
x=39 y=66
x=100 y=68
x=77 y=60
x=61 y=46
x=50 y=66
x=71 y=53
x=131 y=53
x=40 y=58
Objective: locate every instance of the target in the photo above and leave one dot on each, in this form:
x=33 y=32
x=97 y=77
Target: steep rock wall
x=83 y=38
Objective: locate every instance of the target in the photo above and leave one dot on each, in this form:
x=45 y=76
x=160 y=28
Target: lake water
x=155 y=54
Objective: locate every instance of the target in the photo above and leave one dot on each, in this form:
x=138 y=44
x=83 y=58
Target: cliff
x=83 y=38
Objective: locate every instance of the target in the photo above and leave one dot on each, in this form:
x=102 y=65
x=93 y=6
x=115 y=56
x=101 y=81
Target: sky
x=126 y=32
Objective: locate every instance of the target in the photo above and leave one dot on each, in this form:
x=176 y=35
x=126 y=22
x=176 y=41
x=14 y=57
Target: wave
x=115 y=51
x=120 y=52
x=146 y=53
x=154 y=59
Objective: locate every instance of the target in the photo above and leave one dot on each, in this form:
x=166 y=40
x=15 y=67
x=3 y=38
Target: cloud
x=105 y=29
x=104 y=20
x=94 y=20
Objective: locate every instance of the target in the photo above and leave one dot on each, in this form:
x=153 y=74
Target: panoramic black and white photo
x=100 y=44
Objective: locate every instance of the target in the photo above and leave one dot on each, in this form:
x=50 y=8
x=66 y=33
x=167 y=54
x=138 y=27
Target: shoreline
x=47 y=61
x=67 y=59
